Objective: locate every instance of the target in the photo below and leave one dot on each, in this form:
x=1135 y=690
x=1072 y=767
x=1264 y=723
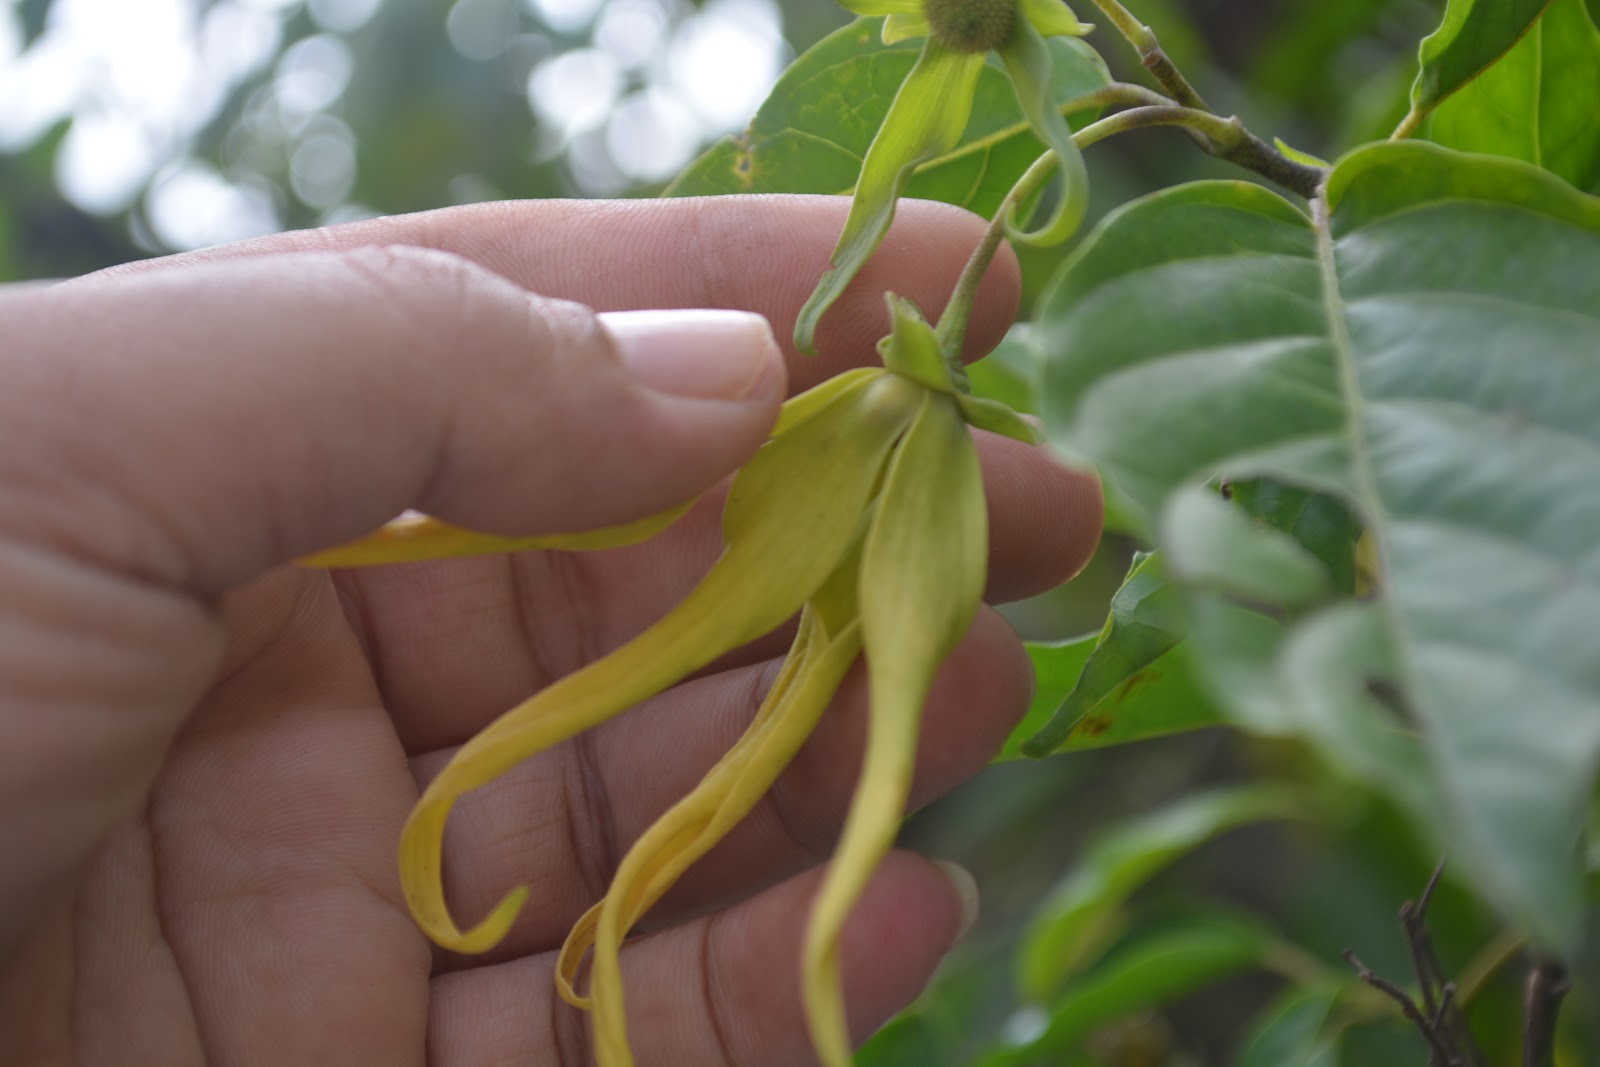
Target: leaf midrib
x=1363 y=475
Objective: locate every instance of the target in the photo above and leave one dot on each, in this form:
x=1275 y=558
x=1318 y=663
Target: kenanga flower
x=930 y=112
x=865 y=513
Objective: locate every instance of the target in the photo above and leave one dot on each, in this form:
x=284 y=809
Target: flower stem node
x=970 y=25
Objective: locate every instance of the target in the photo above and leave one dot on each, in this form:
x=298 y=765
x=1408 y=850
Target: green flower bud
x=970 y=25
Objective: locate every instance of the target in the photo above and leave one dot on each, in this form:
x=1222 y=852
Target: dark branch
x=1441 y=1054
x=1547 y=985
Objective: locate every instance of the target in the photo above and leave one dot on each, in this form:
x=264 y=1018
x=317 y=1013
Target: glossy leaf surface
x=1081 y=917
x=1426 y=353
x=1474 y=34
x=1539 y=103
x=813 y=132
x=1127 y=683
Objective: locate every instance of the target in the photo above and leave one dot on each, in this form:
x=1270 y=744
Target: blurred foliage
x=1225 y=875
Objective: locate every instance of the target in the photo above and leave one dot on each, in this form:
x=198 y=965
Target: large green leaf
x=813 y=131
x=1084 y=913
x=1130 y=682
x=1540 y=103
x=1473 y=35
x=1290 y=1031
x=1430 y=355
x=1157 y=968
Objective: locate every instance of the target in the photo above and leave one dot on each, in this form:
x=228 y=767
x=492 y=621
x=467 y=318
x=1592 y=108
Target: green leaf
x=1128 y=683
x=1084 y=912
x=905 y=1041
x=1322 y=524
x=1155 y=969
x=1216 y=544
x=1290 y=1031
x=1540 y=103
x=1427 y=355
x=814 y=129
x=1473 y=35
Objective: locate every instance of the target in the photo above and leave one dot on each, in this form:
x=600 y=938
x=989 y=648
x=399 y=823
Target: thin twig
x=1237 y=145
x=1224 y=138
x=1441 y=1055
x=1143 y=40
x=1414 y=920
x=1541 y=1005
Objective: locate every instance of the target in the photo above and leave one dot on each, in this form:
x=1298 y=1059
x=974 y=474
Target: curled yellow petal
x=923 y=569
x=792 y=512
x=414 y=536
x=693 y=811
x=659 y=859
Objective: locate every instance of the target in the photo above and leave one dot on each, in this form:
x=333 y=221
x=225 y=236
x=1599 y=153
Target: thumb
x=167 y=435
x=197 y=425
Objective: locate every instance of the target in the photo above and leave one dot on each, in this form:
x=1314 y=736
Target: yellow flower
x=930 y=112
x=865 y=512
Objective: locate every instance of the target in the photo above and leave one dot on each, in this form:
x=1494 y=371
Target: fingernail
x=702 y=353
x=966 y=890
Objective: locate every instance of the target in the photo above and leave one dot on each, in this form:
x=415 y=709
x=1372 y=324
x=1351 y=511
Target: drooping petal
x=652 y=867
x=1053 y=18
x=922 y=576
x=414 y=536
x=927 y=117
x=792 y=513
x=690 y=815
x=1027 y=61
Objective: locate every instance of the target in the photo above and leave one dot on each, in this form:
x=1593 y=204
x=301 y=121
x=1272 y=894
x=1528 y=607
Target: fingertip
x=1045 y=519
x=914 y=910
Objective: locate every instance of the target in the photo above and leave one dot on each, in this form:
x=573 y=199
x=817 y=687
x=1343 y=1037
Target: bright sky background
x=650 y=82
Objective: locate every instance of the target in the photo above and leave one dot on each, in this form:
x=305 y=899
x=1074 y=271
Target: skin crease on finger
x=264 y=861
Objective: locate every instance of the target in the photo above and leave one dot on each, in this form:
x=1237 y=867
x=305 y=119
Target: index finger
x=750 y=253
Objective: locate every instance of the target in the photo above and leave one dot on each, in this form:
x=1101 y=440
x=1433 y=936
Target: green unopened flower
x=930 y=112
x=865 y=512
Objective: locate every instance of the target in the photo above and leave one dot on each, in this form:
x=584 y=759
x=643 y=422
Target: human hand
x=206 y=755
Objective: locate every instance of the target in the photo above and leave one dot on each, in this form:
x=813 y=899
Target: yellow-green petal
x=998 y=418
x=694 y=810
x=903 y=26
x=798 y=409
x=414 y=536
x=923 y=569
x=792 y=512
x=1052 y=18
x=653 y=866
x=912 y=348
x=927 y=118
x=1028 y=62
